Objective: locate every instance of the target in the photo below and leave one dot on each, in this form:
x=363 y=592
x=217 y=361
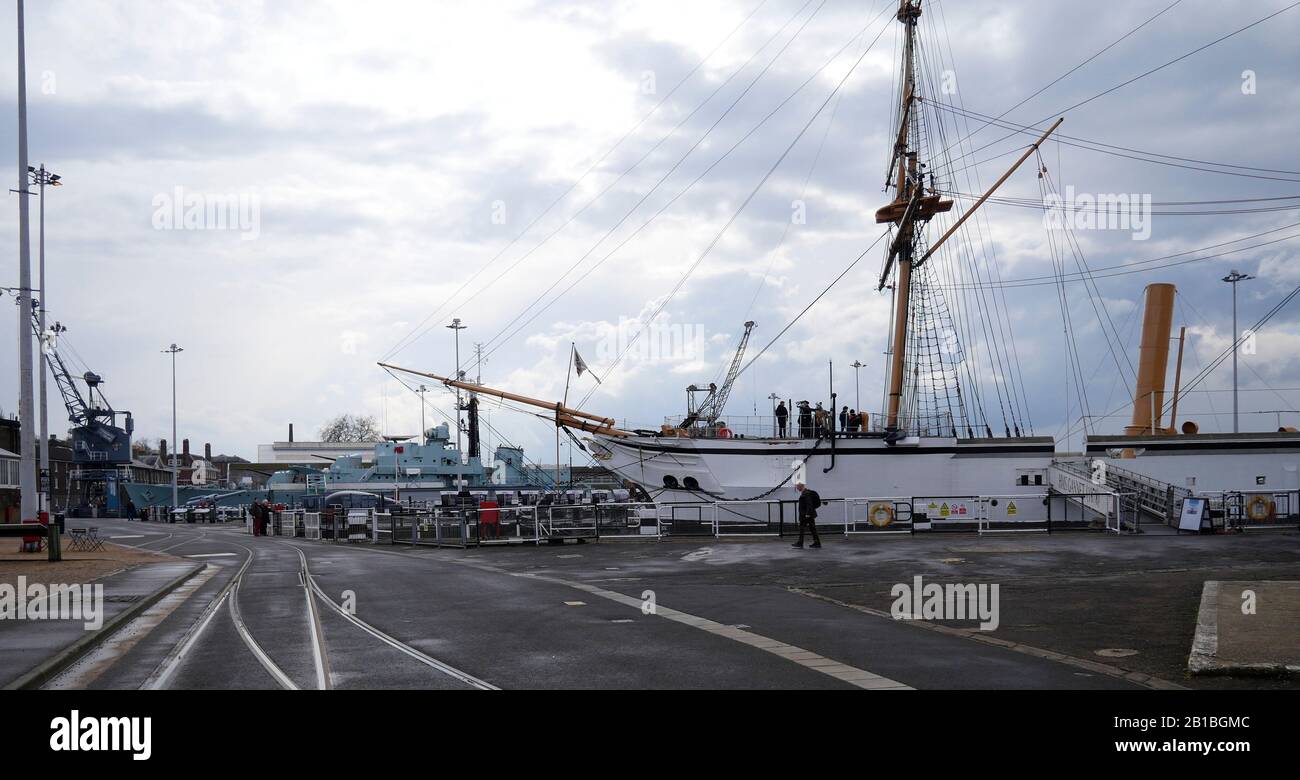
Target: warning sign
x=1011 y=508
x=944 y=511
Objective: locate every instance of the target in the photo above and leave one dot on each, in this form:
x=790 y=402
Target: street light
x=172 y=350
x=41 y=178
x=422 y=391
x=28 y=502
x=1232 y=279
x=857 y=365
x=775 y=424
x=455 y=327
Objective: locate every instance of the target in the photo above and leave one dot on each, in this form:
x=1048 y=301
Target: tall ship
x=939 y=433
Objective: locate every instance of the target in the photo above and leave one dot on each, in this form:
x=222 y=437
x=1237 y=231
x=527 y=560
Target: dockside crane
x=709 y=409
x=100 y=446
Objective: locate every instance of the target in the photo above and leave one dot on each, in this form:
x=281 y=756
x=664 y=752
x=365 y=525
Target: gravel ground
x=75 y=566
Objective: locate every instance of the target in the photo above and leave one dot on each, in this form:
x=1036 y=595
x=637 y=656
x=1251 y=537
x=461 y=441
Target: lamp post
x=422 y=390
x=455 y=327
x=857 y=392
x=172 y=350
x=28 y=504
x=1232 y=279
x=41 y=178
x=775 y=429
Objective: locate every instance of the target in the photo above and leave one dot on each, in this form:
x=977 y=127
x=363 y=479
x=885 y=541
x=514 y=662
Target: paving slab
x=1247 y=627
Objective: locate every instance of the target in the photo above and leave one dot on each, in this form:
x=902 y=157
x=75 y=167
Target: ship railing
x=736 y=427
x=768 y=427
x=740 y=426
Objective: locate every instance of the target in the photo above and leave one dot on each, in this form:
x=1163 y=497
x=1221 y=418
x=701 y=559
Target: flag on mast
x=580 y=365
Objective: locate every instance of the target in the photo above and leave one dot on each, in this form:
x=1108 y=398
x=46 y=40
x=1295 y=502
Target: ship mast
x=910 y=206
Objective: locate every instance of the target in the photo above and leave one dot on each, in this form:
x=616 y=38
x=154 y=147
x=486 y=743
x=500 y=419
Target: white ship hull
x=942 y=474
x=693 y=470
x=1208 y=462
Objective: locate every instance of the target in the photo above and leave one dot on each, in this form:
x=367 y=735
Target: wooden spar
x=1178 y=379
x=907 y=15
x=560 y=409
x=571 y=422
x=992 y=189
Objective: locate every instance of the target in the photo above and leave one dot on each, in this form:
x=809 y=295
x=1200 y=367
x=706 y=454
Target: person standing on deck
x=809 y=501
x=822 y=419
x=844 y=418
x=851 y=424
x=805 y=420
x=781 y=416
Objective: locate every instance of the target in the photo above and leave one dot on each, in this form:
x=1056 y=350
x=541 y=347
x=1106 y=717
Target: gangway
x=1140 y=494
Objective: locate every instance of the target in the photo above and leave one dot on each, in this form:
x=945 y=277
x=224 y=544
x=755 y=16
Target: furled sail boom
x=564 y=415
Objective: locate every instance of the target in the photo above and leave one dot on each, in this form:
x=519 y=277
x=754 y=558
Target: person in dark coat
x=805 y=420
x=259 y=517
x=809 y=501
x=844 y=418
x=852 y=421
x=782 y=414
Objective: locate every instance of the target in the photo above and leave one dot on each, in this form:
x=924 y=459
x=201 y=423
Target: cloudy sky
x=557 y=172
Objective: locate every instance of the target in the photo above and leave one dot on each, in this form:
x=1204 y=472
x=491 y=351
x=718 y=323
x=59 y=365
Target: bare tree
x=142 y=447
x=350 y=427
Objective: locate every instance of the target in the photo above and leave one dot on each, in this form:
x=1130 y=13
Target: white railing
x=862 y=516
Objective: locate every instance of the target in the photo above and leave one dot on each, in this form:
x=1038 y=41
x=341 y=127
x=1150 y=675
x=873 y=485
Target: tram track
x=396 y=644
x=229 y=595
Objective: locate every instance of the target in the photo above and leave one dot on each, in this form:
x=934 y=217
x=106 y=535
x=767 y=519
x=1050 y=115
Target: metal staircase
x=1158 y=500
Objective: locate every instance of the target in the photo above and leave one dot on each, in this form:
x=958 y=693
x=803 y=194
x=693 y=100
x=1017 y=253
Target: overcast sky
x=390 y=157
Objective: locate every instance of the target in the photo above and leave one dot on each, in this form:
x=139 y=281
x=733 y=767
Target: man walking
x=782 y=414
x=809 y=500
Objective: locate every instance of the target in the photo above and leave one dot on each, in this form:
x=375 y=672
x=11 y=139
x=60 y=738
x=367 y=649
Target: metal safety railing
x=1253 y=509
x=860 y=517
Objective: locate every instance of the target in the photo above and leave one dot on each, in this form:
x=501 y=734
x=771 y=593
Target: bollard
x=54 y=545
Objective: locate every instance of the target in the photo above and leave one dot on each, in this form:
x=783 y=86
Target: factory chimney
x=162 y=451
x=1153 y=361
x=291 y=433
x=185 y=450
x=207 y=452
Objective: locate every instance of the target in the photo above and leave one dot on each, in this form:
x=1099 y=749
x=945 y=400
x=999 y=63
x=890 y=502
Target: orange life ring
x=1259 y=508
x=880 y=514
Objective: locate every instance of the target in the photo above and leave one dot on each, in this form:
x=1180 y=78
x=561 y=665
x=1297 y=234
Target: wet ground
x=1074 y=610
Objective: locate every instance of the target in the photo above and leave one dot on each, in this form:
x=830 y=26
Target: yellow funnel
x=1153 y=360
